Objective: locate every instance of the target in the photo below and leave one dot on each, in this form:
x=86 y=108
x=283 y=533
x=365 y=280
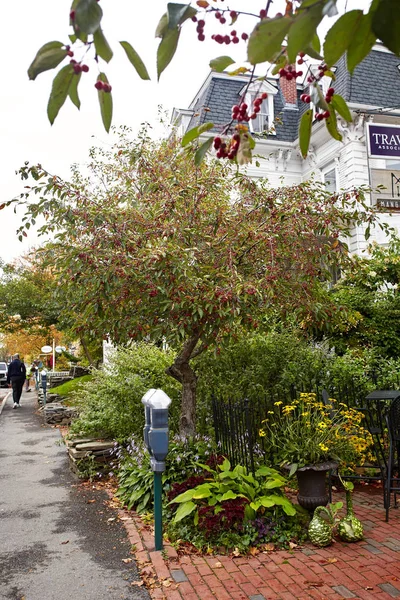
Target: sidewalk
x=59 y=539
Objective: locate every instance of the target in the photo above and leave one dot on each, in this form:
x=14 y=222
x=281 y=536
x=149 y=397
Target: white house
x=369 y=153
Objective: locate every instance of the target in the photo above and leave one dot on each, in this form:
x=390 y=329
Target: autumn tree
x=157 y=248
x=285 y=43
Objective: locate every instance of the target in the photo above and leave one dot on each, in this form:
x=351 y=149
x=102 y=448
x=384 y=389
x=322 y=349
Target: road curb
x=3 y=402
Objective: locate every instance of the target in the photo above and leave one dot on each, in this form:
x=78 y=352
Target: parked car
x=3 y=373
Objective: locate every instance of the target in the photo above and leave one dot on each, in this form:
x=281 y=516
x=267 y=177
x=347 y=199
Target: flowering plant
x=309 y=432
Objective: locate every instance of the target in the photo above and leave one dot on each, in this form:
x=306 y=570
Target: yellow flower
x=262 y=433
x=323 y=447
x=322 y=425
x=278 y=403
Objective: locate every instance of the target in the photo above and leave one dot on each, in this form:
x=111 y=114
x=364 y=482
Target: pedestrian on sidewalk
x=16 y=375
x=28 y=378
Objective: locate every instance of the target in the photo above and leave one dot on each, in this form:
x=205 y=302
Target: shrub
x=110 y=404
x=135 y=478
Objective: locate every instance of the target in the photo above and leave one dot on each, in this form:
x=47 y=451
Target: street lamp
x=155 y=433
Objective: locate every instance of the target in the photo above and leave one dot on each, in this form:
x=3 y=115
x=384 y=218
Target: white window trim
x=259 y=88
x=332 y=166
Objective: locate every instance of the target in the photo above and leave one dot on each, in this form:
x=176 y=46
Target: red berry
x=282 y=72
x=263 y=13
x=300 y=61
x=319 y=117
x=194 y=18
x=243 y=107
x=201 y=23
x=264 y=95
x=299 y=73
x=107 y=88
x=236 y=137
x=227 y=39
x=308 y=99
x=257 y=109
x=99 y=85
x=253 y=115
x=330 y=91
x=222 y=20
x=245 y=36
x=326 y=114
x=257 y=101
x=289 y=77
x=77 y=68
x=233 y=14
x=72 y=15
x=85 y=68
x=219 y=39
x=235 y=40
x=217 y=142
x=70 y=53
x=233 y=33
x=201 y=37
x=218 y=15
x=302 y=54
x=72 y=62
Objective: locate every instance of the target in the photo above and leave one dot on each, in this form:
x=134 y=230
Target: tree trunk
x=183 y=372
x=86 y=351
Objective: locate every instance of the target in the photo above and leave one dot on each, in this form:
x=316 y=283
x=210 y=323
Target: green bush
x=135 y=478
x=110 y=403
x=71 y=387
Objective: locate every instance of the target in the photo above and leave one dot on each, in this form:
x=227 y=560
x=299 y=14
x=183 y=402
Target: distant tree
x=157 y=248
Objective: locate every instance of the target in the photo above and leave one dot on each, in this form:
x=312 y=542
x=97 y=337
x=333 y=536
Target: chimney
x=288 y=88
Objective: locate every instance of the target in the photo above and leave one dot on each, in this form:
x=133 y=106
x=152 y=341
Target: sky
x=25 y=132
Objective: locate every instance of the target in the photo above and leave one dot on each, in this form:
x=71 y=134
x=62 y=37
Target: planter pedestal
x=313 y=490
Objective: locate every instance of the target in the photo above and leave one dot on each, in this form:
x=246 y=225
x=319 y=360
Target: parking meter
x=145 y=401
x=155 y=433
x=44 y=384
x=158 y=432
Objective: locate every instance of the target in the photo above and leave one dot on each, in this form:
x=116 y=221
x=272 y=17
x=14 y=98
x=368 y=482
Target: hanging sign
x=46 y=349
x=383 y=141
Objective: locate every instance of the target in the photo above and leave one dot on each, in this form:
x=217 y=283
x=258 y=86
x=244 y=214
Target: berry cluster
x=290 y=73
x=78 y=68
x=329 y=94
x=220 y=38
x=240 y=112
x=227 y=149
x=200 y=28
x=321 y=68
x=103 y=86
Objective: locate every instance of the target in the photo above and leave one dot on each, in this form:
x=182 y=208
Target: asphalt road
x=56 y=540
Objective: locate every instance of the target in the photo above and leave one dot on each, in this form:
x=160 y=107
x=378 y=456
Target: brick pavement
x=367 y=570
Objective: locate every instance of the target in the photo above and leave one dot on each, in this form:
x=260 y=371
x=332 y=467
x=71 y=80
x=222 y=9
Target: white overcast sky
x=25 y=132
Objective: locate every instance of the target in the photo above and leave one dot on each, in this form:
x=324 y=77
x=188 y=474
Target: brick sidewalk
x=368 y=570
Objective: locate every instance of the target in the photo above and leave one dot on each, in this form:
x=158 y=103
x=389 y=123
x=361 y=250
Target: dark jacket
x=16 y=370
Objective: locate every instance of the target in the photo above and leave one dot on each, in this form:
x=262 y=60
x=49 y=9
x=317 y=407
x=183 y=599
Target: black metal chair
x=392 y=484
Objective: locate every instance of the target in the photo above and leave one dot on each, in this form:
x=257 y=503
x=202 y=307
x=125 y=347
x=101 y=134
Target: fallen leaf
x=127 y=560
x=368 y=588
x=292 y=545
x=315 y=583
x=254 y=551
x=236 y=552
x=66 y=542
x=218 y=565
x=167 y=582
x=269 y=547
x=331 y=560
x=111 y=520
x=138 y=583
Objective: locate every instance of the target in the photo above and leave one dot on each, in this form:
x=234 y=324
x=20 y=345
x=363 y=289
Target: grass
x=69 y=387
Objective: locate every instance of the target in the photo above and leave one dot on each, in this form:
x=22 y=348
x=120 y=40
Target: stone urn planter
x=313 y=488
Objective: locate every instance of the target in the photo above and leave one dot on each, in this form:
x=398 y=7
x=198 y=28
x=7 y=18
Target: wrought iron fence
x=237 y=421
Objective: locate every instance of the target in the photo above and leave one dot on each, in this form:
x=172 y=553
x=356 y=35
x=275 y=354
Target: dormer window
x=263 y=123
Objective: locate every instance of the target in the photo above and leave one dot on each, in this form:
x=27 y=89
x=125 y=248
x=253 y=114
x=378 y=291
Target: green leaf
x=361 y=44
x=305 y=132
x=219 y=64
x=59 y=91
x=106 y=103
x=102 y=46
x=265 y=41
x=184 y=497
x=316 y=44
x=162 y=26
x=135 y=59
x=167 y=49
x=331 y=125
x=184 y=510
x=194 y=133
x=279 y=64
x=386 y=24
x=226 y=465
x=202 y=151
x=287 y=506
x=229 y=495
x=293 y=469
x=339 y=104
x=274 y=483
x=73 y=90
x=340 y=36
x=88 y=15
x=179 y=13
x=48 y=57
x=303 y=30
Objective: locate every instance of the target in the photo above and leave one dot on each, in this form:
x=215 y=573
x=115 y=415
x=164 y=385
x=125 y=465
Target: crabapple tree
x=149 y=247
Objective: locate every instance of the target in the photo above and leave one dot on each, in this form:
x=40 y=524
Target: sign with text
x=384 y=141
x=386 y=189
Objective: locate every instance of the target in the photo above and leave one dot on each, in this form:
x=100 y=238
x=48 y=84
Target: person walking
x=16 y=375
